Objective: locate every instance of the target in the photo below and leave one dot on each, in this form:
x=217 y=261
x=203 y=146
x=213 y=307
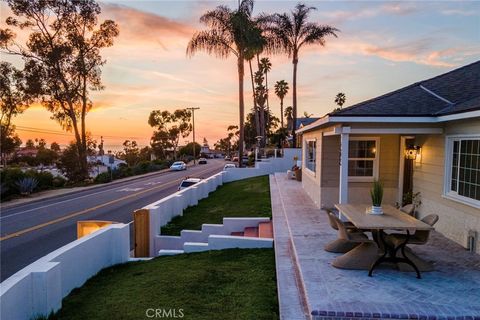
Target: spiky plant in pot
x=377 y=195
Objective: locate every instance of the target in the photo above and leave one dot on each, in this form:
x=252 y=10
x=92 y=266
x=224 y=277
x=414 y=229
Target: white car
x=188 y=182
x=229 y=165
x=178 y=166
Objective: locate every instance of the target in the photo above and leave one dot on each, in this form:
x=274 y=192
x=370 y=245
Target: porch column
x=343 y=188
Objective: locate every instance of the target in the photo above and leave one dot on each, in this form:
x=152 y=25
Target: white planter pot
x=376 y=210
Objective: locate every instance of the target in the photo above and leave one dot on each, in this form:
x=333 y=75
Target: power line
x=54 y=132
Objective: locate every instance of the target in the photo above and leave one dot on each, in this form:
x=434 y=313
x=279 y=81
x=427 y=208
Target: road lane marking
x=129 y=189
x=78 y=213
x=72 y=199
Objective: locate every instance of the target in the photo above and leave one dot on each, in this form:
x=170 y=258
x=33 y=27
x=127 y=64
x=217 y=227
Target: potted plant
x=377 y=194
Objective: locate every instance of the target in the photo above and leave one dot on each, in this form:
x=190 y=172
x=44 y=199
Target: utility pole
x=193 y=120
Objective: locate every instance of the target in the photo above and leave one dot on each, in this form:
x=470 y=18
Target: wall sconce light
x=413 y=152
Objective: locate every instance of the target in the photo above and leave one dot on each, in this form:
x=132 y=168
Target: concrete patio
x=309 y=287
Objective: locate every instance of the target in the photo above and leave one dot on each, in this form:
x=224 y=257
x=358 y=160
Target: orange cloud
x=140 y=26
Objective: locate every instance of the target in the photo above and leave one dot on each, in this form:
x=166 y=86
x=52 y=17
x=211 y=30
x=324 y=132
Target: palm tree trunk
x=241 y=107
x=281 y=113
x=294 y=135
x=255 y=109
x=268 y=105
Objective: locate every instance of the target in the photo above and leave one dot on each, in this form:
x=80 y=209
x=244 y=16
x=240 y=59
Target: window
x=363 y=159
x=463 y=169
x=310 y=157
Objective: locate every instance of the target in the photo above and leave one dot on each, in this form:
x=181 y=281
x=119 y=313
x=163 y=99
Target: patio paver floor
x=452 y=291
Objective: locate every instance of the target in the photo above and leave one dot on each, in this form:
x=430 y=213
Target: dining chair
x=419 y=237
x=348 y=236
x=408 y=209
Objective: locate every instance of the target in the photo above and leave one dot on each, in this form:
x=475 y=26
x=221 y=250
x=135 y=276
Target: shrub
x=142 y=167
x=58 y=182
x=44 y=178
x=103 y=177
x=26 y=185
x=9 y=177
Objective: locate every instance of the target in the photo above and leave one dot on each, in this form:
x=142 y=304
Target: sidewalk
x=48 y=194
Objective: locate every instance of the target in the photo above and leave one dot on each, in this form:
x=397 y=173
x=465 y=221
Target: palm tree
x=230 y=32
x=292 y=32
x=266 y=66
x=340 y=99
x=281 y=90
x=289 y=115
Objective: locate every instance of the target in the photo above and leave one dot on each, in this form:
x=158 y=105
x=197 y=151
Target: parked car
x=202 y=161
x=235 y=159
x=227 y=158
x=178 y=166
x=188 y=182
x=244 y=160
x=229 y=165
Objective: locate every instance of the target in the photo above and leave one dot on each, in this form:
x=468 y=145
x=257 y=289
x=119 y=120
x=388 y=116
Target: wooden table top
x=392 y=218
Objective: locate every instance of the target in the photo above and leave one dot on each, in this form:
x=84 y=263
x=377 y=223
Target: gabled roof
x=452 y=92
x=302 y=122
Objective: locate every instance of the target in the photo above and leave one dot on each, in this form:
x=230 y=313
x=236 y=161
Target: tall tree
x=62 y=59
x=340 y=99
x=288 y=113
x=281 y=90
x=229 y=143
x=131 y=152
x=14 y=99
x=266 y=67
x=170 y=126
x=230 y=32
x=291 y=33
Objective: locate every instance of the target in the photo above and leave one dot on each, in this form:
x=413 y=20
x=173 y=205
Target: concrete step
x=251 y=232
x=195 y=247
x=265 y=230
x=166 y=252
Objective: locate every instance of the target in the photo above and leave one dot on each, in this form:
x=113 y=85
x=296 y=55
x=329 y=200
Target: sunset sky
x=382 y=46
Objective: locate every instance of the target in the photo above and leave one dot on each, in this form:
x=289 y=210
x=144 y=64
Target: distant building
x=26 y=152
x=106 y=160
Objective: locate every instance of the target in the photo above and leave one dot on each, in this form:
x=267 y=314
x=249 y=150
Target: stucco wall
x=455 y=218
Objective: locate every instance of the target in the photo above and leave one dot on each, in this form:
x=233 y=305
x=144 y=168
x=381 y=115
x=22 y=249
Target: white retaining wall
x=188 y=236
x=266 y=166
x=162 y=211
x=40 y=287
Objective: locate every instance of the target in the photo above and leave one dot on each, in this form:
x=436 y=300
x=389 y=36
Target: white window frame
x=447 y=180
x=306 y=156
x=376 y=160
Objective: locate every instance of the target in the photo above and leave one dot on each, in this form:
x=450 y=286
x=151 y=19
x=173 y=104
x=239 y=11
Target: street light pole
x=193 y=120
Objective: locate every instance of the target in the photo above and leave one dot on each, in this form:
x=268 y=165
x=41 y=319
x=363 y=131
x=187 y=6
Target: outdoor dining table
x=391 y=219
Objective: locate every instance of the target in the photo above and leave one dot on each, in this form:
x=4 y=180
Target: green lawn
x=244 y=198
x=227 y=284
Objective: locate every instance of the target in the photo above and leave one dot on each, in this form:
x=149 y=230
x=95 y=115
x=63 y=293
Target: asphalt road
x=30 y=231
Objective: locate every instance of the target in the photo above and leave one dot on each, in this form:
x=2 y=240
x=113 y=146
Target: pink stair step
x=237 y=233
x=265 y=230
x=251 y=232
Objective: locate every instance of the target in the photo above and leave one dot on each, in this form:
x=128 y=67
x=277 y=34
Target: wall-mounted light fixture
x=413 y=152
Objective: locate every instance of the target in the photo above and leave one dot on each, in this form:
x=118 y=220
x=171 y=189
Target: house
x=107 y=160
x=300 y=123
x=26 y=152
x=422 y=138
